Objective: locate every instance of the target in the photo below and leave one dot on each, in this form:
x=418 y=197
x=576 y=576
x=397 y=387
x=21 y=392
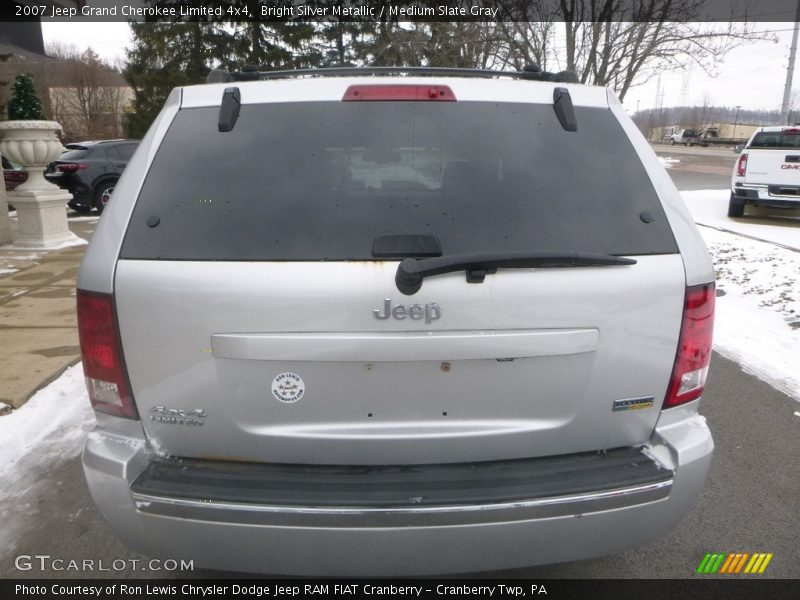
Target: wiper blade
x=411 y=272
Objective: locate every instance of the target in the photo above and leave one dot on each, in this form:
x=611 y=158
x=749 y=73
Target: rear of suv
x=413 y=322
x=767 y=172
x=90 y=171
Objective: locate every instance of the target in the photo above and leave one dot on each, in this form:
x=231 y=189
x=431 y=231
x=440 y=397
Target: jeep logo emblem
x=430 y=312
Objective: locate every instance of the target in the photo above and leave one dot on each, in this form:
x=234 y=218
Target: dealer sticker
x=288 y=388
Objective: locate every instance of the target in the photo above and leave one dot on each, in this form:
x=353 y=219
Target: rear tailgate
x=773 y=158
x=253 y=312
x=529 y=363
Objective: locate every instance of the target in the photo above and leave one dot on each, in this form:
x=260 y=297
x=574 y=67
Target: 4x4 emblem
x=430 y=312
x=177 y=416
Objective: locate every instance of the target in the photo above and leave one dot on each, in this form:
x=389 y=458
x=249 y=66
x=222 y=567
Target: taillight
x=103 y=363
x=694 y=347
x=741 y=165
x=71 y=167
x=366 y=93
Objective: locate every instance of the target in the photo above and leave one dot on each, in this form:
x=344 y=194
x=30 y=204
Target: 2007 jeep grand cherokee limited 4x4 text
x=389 y=322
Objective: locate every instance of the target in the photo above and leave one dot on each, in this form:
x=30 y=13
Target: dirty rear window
x=322 y=180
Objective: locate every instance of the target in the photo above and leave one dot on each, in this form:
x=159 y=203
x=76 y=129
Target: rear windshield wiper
x=411 y=272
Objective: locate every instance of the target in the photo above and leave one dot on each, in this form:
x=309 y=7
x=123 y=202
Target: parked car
x=687 y=137
x=329 y=330
x=90 y=170
x=767 y=172
x=13 y=174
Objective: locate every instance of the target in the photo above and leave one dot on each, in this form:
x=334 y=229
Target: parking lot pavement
x=37 y=315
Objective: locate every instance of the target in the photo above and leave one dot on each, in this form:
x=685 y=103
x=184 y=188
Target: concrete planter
x=41 y=205
x=34 y=145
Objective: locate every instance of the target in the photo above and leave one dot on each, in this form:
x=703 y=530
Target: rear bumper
x=502 y=515
x=81 y=195
x=770 y=196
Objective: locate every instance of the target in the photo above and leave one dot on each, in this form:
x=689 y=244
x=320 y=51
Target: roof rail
x=251 y=73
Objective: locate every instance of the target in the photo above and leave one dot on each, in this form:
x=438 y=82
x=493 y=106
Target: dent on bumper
x=311 y=541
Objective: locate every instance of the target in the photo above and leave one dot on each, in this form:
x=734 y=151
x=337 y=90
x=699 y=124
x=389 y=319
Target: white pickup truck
x=767 y=172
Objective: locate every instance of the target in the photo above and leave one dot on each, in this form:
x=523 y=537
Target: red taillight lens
x=694 y=347
x=741 y=165
x=103 y=363
x=367 y=93
x=71 y=167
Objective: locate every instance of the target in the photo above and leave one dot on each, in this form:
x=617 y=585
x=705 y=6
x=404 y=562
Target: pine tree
x=167 y=55
x=24 y=104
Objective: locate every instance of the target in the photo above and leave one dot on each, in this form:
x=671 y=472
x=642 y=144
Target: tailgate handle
x=404 y=346
x=793 y=158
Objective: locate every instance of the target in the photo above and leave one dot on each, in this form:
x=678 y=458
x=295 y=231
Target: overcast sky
x=752 y=76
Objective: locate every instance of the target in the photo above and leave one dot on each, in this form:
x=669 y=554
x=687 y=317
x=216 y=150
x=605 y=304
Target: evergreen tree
x=25 y=103
x=167 y=55
x=271 y=46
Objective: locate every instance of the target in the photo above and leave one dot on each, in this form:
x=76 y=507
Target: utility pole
x=787 y=88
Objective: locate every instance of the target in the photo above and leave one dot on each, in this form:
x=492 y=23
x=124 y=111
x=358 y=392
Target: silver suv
x=394 y=321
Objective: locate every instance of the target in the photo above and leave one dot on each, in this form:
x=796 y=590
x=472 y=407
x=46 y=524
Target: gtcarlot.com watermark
x=45 y=562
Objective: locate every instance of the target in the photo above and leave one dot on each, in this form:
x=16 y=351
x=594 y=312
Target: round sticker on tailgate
x=288 y=387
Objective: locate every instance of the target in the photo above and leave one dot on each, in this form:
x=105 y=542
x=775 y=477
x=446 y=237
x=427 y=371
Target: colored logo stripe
x=734 y=562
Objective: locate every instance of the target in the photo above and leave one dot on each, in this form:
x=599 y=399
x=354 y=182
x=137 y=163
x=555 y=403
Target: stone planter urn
x=41 y=205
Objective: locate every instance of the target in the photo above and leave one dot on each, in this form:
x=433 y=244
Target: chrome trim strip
x=556 y=506
x=393 y=346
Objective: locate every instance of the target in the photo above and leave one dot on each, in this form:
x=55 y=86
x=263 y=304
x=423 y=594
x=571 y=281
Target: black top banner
x=278 y=11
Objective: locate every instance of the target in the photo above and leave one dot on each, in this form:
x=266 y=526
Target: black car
x=90 y=170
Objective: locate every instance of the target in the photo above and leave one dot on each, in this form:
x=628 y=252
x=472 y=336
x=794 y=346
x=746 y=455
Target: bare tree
x=623 y=44
x=87 y=96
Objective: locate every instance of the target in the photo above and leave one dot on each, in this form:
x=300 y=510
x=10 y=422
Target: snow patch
x=668 y=161
x=47 y=430
x=710 y=207
x=23 y=256
x=757 y=319
x=7 y=271
x=56 y=412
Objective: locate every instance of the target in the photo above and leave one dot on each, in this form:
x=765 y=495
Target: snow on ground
x=710 y=207
x=668 y=161
x=48 y=429
x=757 y=319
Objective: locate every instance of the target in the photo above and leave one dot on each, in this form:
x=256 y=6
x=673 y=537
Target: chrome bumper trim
x=401 y=516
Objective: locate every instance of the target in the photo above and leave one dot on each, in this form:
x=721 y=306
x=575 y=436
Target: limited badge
x=633 y=403
x=288 y=388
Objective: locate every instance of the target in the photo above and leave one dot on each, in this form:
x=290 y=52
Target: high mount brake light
x=383 y=92
x=694 y=347
x=101 y=351
x=741 y=165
